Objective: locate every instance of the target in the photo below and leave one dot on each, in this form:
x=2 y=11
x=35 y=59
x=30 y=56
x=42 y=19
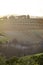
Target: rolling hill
x=23 y=35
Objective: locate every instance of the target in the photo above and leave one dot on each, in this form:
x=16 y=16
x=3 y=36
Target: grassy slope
x=3 y=37
x=36 y=59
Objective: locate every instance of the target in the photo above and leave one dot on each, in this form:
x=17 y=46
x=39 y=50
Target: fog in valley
x=20 y=35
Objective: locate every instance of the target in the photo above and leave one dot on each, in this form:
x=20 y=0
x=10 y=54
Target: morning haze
x=21 y=35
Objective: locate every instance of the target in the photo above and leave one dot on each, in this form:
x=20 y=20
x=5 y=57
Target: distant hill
x=20 y=23
x=23 y=25
x=28 y=33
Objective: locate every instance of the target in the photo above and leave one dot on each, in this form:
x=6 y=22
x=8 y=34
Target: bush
x=26 y=60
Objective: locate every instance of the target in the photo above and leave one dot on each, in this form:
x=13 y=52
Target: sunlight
x=20 y=7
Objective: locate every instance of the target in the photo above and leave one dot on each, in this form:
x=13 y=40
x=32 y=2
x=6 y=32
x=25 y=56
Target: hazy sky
x=19 y=7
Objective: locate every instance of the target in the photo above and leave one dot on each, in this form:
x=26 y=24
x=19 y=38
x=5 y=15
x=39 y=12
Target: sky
x=21 y=7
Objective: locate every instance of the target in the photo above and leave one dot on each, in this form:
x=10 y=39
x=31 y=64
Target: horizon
x=21 y=15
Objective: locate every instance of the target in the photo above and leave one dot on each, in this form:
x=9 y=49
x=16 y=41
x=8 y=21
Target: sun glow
x=21 y=7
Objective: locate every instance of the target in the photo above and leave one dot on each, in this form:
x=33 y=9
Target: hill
x=21 y=35
x=36 y=59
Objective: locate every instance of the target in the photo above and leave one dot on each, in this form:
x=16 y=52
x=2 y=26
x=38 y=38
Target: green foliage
x=12 y=60
x=26 y=60
x=2 y=60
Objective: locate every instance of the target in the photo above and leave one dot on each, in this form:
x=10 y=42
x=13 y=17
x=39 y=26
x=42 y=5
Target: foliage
x=26 y=60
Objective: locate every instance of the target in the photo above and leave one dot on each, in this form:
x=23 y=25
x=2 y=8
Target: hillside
x=23 y=35
x=21 y=26
x=36 y=59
